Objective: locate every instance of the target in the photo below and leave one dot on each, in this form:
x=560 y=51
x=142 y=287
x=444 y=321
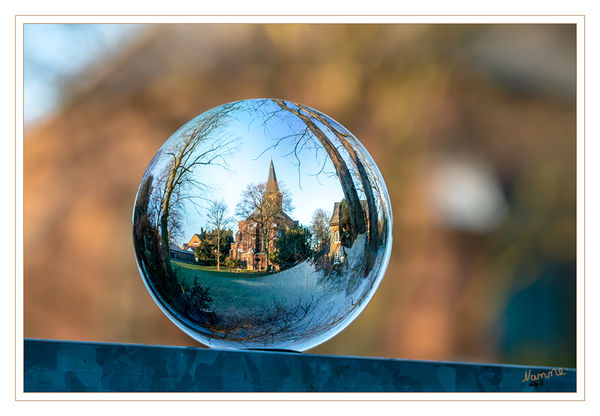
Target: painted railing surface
x=71 y=366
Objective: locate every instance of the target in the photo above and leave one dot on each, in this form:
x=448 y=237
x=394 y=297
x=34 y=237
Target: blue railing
x=70 y=366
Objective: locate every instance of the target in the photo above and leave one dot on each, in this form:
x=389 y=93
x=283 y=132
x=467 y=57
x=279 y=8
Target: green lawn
x=212 y=270
x=249 y=293
x=232 y=292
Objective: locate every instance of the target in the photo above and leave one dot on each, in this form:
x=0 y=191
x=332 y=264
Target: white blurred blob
x=465 y=195
x=538 y=58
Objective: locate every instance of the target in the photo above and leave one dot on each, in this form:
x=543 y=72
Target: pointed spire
x=272 y=185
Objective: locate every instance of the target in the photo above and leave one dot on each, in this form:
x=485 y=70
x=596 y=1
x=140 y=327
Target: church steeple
x=272 y=185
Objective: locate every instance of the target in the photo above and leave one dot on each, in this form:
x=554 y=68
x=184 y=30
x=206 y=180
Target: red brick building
x=250 y=244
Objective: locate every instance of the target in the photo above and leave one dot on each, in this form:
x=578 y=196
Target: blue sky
x=247 y=166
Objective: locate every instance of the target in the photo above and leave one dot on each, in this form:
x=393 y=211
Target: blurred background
x=472 y=126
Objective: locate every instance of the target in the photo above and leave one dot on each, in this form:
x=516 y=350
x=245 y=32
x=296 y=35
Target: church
x=250 y=245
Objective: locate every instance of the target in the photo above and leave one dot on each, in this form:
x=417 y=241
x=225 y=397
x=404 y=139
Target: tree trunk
x=266 y=247
x=171 y=183
x=218 y=249
x=373 y=225
x=164 y=219
x=357 y=218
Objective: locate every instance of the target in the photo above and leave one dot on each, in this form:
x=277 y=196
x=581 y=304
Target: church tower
x=272 y=185
x=272 y=192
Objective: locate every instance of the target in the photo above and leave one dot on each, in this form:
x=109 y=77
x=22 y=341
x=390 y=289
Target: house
x=181 y=255
x=195 y=240
x=338 y=225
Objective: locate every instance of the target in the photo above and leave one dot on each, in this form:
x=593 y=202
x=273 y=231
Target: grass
x=224 y=272
x=232 y=292
x=244 y=293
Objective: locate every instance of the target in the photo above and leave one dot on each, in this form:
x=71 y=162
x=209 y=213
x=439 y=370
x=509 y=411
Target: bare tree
x=335 y=141
x=362 y=167
x=217 y=220
x=357 y=217
x=200 y=145
x=262 y=206
x=320 y=229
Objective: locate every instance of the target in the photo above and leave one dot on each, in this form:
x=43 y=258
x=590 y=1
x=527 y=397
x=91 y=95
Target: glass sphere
x=262 y=224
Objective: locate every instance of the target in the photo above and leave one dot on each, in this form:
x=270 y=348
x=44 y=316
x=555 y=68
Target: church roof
x=272 y=185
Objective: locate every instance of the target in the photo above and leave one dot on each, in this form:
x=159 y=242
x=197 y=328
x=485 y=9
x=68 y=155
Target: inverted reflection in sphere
x=262 y=224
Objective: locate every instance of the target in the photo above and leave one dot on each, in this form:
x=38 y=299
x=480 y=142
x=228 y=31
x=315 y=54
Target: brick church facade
x=249 y=245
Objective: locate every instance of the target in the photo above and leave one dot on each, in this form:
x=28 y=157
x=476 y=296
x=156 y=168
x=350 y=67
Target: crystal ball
x=262 y=224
